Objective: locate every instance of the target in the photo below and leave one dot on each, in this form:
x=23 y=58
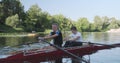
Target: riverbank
x=114 y=30
x=21 y=34
x=8 y=29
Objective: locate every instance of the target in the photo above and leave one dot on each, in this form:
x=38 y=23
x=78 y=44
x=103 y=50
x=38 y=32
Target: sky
x=76 y=9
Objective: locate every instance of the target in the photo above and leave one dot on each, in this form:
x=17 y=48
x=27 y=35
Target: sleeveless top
x=57 y=40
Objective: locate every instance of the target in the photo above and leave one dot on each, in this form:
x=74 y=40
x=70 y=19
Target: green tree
x=64 y=23
x=92 y=27
x=12 y=21
x=44 y=21
x=10 y=8
x=118 y=21
x=105 y=23
x=113 y=24
x=33 y=15
x=1 y=14
x=83 y=24
x=36 y=19
x=98 y=23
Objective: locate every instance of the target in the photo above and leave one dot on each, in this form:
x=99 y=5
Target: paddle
x=65 y=51
x=112 y=45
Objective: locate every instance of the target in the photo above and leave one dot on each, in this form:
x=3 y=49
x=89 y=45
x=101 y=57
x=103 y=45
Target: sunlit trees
x=33 y=15
x=36 y=20
x=92 y=27
x=98 y=23
x=83 y=24
x=105 y=23
x=114 y=24
x=12 y=21
x=12 y=14
x=64 y=23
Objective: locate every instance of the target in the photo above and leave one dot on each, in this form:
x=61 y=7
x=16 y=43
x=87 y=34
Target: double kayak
x=41 y=55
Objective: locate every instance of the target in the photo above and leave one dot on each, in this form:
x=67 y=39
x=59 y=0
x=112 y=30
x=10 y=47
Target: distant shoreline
x=114 y=30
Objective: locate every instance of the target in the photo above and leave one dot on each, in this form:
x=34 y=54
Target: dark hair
x=55 y=24
x=73 y=28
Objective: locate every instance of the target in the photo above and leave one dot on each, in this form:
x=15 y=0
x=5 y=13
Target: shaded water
x=103 y=56
x=12 y=40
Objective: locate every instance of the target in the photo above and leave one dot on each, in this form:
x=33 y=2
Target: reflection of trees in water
x=101 y=37
x=11 y=41
x=95 y=36
x=30 y=39
x=86 y=36
x=2 y=41
x=114 y=37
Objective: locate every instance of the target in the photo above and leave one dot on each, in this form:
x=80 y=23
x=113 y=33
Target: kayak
x=41 y=55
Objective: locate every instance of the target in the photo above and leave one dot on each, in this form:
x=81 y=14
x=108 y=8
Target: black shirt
x=57 y=40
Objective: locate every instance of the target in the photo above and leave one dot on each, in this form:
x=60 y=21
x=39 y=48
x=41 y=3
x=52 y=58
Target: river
x=107 y=55
x=102 y=56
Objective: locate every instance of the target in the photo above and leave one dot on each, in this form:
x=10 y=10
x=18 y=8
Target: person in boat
x=56 y=35
x=74 y=39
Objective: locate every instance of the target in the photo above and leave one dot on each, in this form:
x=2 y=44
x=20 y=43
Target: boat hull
x=48 y=55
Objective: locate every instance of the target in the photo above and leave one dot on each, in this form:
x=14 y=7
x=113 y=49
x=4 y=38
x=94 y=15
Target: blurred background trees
x=14 y=17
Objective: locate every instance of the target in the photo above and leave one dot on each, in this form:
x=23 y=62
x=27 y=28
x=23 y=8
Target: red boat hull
x=41 y=56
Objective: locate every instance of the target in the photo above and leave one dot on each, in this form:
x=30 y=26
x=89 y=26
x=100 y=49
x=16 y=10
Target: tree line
x=13 y=15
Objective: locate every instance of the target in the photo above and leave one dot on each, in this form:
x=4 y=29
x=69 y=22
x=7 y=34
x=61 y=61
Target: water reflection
x=101 y=37
x=2 y=41
x=12 y=41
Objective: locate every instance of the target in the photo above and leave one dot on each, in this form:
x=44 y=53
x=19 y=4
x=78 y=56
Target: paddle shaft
x=112 y=45
x=71 y=54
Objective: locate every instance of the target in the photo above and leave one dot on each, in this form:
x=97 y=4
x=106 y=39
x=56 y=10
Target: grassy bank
x=8 y=29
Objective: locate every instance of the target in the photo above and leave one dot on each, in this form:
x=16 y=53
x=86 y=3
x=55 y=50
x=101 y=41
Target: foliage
x=10 y=8
x=98 y=23
x=14 y=18
x=113 y=24
x=6 y=29
x=12 y=21
x=92 y=27
x=105 y=23
x=64 y=23
x=36 y=19
x=83 y=24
